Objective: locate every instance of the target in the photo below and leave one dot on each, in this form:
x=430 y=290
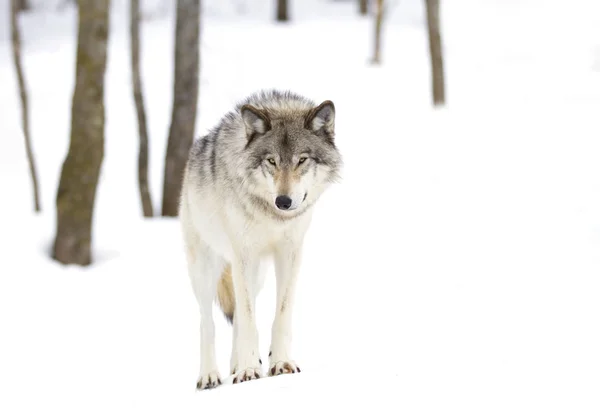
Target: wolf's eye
x=272 y=161
x=302 y=160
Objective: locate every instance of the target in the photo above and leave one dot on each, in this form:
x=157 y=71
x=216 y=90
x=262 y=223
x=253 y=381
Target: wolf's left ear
x=256 y=122
x=322 y=119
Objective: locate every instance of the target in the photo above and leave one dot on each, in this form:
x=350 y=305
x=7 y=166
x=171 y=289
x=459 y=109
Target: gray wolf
x=249 y=190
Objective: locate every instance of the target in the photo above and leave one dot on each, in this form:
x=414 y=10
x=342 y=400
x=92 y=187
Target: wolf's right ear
x=255 y=121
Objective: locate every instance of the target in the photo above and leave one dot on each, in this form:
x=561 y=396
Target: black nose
x=283 y=202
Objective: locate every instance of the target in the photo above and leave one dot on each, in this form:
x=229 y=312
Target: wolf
x=248 y=193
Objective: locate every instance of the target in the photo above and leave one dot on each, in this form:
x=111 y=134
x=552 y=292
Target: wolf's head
x=290 y=155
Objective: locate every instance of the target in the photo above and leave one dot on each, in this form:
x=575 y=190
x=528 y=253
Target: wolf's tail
x=225 y=295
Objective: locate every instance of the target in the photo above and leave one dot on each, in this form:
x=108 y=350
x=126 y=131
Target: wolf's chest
x=268 y=235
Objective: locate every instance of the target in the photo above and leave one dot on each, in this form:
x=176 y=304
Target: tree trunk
x=378 y=23
x=138 y=97
x=435 y=49
x=363 y=7
x=282 y=10
x=21 y=5
x=16 y=49
x=185 y=101
x=81 y=168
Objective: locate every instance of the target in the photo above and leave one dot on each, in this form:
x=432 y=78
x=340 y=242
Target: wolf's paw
x=283 y=367
x=208 y=381
x=247 y=375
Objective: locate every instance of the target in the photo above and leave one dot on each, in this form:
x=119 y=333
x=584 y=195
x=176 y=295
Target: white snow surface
x=457 y=264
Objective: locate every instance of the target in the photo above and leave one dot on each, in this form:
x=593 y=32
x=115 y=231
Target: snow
x=457 y=264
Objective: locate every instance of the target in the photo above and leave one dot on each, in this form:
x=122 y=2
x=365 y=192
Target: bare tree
x=378 y=25
x=185 y=101
x=16 y=50
x=134 y=27
x=21 y=5
x=363 y=6
x=282 y=10
x=81 y=169
x=435 y=49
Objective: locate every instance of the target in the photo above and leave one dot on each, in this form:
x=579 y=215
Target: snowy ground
x=457 y=264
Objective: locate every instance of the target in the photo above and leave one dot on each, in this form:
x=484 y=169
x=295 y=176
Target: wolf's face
x=291 y=159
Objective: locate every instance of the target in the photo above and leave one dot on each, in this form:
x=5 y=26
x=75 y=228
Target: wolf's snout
x=283 y=202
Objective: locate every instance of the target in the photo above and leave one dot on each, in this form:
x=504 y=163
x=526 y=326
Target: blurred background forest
x=470 y=202
x=81 y=168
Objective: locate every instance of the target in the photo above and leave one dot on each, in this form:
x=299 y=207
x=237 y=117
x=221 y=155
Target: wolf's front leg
x=287 y=265
x=245 y=333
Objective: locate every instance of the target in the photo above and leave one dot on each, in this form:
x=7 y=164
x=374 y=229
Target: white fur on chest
x=227 y=229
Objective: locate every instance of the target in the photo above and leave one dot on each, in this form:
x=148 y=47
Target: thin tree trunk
x=185 y=101
x=139 y=106
x=22 y=5
x=435 y=49
x=282 y=10
x=16 y=48
x=363 y=7
x=81 y=169
x=378 y=24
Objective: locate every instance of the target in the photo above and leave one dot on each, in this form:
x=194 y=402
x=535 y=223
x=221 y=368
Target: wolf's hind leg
x=205 y=268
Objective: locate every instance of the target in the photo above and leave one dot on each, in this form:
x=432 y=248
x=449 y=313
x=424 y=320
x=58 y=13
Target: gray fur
x=231 y=154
